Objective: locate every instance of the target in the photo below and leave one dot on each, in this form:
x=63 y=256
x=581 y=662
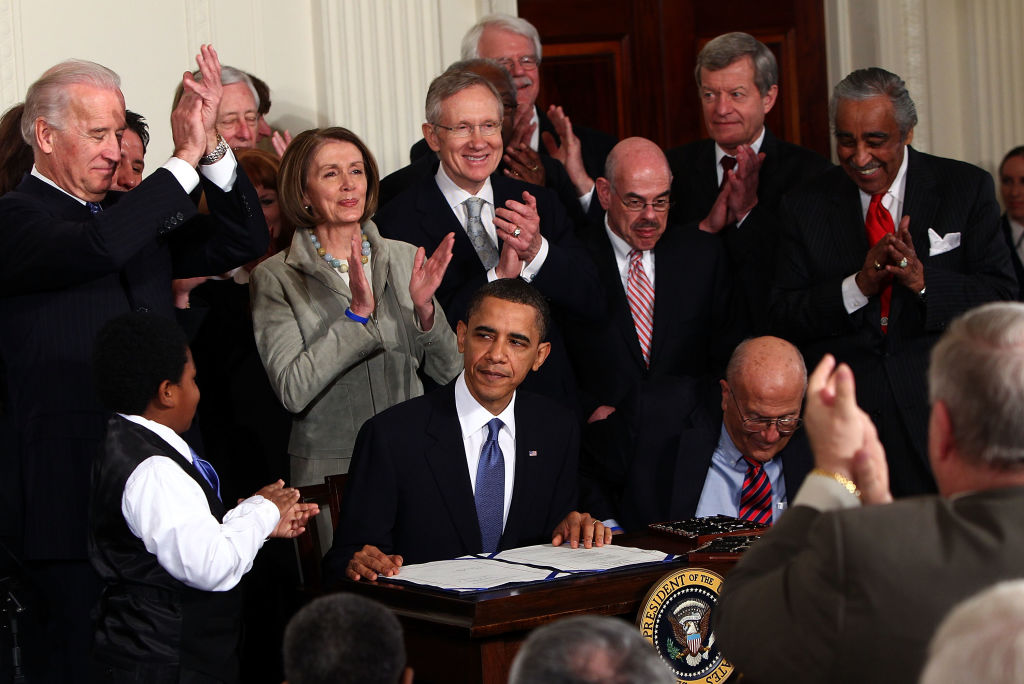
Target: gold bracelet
x=841 y=479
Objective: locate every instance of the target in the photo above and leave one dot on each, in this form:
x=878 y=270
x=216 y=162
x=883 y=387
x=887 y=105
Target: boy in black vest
x=168 y=550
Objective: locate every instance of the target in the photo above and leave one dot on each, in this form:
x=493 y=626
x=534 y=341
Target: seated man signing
x=435 y=477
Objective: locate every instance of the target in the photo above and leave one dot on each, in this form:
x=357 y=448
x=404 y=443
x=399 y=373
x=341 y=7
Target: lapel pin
x=531 y=452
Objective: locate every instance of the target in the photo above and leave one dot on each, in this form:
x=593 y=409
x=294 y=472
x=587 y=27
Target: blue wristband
x=356 y=317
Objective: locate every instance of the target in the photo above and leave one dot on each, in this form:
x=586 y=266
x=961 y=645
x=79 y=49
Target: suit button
x=142 y=309
x=180 y=216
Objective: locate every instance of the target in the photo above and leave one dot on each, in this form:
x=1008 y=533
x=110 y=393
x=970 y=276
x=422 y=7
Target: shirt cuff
x=531 y=269
x=265 y=512
x=743 y=218
x=824 y=493
x=222 y=172
x=183 y=172
x=586 y=198
x=853 y=298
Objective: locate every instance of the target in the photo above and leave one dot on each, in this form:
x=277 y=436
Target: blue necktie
x=94 y=207
x=206 y=469
x=490 y=488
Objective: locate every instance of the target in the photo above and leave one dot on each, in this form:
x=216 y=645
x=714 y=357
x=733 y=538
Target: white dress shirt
x=473 y=419
x=1017 y=233
x=456 y=196
x=621 y=250
x=723 y=485
x=853 y=298
x=168 y=511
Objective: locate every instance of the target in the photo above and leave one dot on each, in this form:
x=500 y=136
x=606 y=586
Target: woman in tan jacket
x=344 y=318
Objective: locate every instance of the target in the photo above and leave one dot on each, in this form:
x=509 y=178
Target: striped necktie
x=756 y=495
x=640 y=294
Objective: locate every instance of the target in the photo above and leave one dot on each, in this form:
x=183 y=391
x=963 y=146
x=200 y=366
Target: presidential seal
x=676 y=618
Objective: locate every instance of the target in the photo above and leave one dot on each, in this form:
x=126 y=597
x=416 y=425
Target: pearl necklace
x=340 y=264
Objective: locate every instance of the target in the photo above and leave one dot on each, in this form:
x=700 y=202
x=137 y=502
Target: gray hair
x=864 y=84
x=474 y=63
x=722 y=51
x=48 y=98
x=977 y=371
x=981 y=639
x=343 y=639
x=506 y=22
x=451 y=82
x=588 y=649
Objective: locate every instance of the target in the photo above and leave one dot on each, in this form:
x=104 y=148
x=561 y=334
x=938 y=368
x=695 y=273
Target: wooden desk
x=473 y=638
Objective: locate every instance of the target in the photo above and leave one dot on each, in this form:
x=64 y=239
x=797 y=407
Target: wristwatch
x=218 y=152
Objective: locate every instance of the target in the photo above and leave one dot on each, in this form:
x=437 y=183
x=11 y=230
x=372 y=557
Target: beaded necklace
x=333 y=262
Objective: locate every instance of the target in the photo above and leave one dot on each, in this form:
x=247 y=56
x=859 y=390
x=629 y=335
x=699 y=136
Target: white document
x=470 y=573
x=594 y=559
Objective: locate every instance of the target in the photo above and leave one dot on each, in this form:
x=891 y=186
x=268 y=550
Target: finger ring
x=516 y=232
x=904 y=262
x=534 y=167
x=878 y=266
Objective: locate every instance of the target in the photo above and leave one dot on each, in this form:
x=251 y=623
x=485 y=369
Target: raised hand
x=519 y=224
x=362 y=292
x=570 y=152
x=426 y=278
x=209 y=90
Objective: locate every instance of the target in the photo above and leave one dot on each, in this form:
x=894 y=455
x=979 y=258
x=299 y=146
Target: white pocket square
x=940 y=244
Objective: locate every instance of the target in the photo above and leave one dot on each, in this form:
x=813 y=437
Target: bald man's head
x=635 y=192
x=765 y=379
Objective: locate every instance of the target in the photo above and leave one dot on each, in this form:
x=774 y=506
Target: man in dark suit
x=503 y=228
x=1011 y=185
x=737 y=82
x=850 y=283
x=661 y=319
x=435 y=477
x=849 y=587
x=544 y=170
x=73 y=256
x=685 y=460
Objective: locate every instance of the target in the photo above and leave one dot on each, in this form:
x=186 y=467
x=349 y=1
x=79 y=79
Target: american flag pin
x=531 y=452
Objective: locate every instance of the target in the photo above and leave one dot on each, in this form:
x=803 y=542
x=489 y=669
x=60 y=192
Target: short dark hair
x=517 y=291
x=137 y=124
x=1015 y=152
x=133 y=354
x=725 y=49
x=343 y=639
x=298 y=157
x=16 y=155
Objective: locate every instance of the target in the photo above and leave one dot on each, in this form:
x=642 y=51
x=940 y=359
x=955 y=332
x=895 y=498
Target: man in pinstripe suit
x=879 y=255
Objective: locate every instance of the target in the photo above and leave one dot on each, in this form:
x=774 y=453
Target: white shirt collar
x=165 y=433
x=893 y=199
x=38 y=174
x=455 y=195
x=620 y=247
x=535 y=136
x=755 y=146
x=473 y=417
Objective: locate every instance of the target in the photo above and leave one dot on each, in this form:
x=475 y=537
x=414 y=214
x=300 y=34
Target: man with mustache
x=878 y=256
x=666 y=292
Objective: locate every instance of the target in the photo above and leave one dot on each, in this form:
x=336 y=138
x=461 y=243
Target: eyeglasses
x=635 y=204
x=464 y=130
x=528 y=62
x=786 y=425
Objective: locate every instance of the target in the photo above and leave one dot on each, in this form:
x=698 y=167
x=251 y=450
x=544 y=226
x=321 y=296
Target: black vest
x=145 y=616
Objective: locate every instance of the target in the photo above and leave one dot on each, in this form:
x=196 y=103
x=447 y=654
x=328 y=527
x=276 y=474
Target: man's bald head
x=635 y=192
x=766 y=378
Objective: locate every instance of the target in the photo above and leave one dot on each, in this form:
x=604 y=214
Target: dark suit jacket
x=63 y=274
x=421 y=216
x=694 y=331
x=1018 y=267
x=665 y=439
x=855 y=595
x=409 y=491
x=824 y=241
x=752 y=246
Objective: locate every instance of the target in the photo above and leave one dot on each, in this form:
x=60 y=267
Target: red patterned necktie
x=640 y=294
x=878 y=223
x=728 y=164
x=756 y=495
